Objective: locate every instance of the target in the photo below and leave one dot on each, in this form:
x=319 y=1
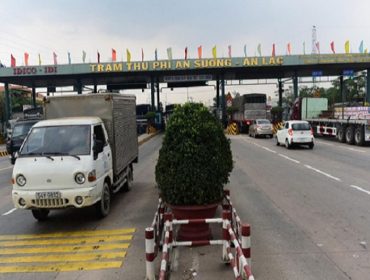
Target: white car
x=295 y=133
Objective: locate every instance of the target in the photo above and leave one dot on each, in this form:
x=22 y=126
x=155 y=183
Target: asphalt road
x=309 y=211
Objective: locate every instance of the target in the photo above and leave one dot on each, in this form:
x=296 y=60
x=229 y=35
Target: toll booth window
x=99 y=134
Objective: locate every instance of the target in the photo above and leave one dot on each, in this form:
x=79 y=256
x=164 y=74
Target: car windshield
x=263 y=122
x=301 y=126
x=58 y=140
x=22 y=129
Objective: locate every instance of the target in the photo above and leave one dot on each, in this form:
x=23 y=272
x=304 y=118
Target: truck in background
x=348 y=124
x=247 y=108
x=81 y=154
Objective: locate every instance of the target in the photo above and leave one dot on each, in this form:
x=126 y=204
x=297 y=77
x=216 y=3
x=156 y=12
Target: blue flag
x=245 y=50
x=361 y=48
x=69 y=58
x=155 y=55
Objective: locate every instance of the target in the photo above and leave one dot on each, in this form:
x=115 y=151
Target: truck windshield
x=22 y=129
x=58 y=140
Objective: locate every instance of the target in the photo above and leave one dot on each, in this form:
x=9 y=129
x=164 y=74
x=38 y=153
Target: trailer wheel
x=359 y=136
x=103 y=206
x=40 y=214
x=350 y=134
x=341 y=135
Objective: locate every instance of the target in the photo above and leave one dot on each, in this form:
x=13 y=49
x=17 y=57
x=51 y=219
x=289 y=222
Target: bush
x=195 y=160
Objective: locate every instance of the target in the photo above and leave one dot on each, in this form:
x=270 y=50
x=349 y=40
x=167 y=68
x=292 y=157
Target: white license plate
x=48 y=195
x=303 y=140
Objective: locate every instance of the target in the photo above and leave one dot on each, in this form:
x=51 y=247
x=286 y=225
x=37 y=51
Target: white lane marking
x=356 y=150
x=288 y=158
x=323 y=173
x=360 y=189
x=6 y=168
x=323 y=142
x=9 y=212
x=267 y=149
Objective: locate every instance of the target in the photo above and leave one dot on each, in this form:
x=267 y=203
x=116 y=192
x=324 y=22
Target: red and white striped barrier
x=326 y=130
x=234 y=233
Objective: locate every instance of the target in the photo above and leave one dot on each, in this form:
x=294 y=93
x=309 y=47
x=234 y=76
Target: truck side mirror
x=97 y=148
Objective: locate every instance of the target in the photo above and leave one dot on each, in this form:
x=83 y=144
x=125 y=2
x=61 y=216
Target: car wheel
x=103 y=206
x=311 y=145
x=287 y=145
x=40 y=214
x=277 y=142
x=128 y=184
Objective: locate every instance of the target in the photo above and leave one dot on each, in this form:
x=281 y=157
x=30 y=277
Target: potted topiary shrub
x=193 y=166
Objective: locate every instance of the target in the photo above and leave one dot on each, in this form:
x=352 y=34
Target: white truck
x=79 y=156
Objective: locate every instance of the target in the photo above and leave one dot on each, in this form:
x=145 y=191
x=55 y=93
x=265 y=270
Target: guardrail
x=235 y=240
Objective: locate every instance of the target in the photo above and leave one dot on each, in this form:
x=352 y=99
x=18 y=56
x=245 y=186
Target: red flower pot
x=194 y=232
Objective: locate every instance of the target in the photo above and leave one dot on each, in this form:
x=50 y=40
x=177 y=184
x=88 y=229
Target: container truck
x=81 y=154
x=349 y=125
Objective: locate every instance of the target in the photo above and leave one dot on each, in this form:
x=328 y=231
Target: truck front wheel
x=129 y=178
x=40 y=214
x=103 y=206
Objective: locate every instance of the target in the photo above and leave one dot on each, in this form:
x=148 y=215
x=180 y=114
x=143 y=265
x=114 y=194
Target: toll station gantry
x=184 y=73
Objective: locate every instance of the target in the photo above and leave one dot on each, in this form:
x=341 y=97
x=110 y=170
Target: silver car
x=261 y=127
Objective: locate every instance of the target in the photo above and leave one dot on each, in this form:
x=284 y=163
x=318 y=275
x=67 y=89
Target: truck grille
x=50 y=203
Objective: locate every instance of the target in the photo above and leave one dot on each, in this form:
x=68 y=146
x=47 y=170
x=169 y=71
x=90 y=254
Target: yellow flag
x=346 y=46
x=39 y=59
x=365 y=51
x=128 y=54
x=214 y=52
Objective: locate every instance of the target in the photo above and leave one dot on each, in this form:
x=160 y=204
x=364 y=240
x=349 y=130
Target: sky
x=62 y=26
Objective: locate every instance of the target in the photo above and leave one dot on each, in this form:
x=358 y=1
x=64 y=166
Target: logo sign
x=187 y=78
x=317 y=73
x=348 y=72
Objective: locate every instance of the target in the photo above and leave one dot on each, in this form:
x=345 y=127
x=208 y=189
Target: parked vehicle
x=16 y=138
x=261 y=127
x=295 y=133
x=247 y=108
x=349 y=125
x=81 y=154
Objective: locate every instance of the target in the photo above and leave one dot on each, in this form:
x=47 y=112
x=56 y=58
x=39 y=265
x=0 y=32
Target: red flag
x=318 y=47
x=26 y=56
x=98 y=54
x=200 y=52
x=186 y=53
x=142 y=54
x=289 y=49
x=114 y=55
x=229 y=51
x=12 y=61
x=273 y=50
x=55 y=58
x=332 y=46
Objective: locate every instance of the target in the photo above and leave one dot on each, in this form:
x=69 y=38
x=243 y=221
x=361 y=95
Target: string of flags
x=316 y=50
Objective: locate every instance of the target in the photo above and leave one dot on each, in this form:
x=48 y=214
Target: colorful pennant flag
x=200 y=52
x=365 y=51
x=229 y=51
x=361 y=47
x=245 y=50
x=156 y=54
x=55 y=58
x=128 y=56
x=169 y=53
x=83 y=56
x=259 y=50
x=114 y=55
x=142 y=54
x=346 y=47
x=304 y=47
x=186 y=53
x=273 y=50
x=69 y=58
x=332 y=47
x=13 y=62
x=26 y=56
x=289 y=49
x=98 y=54
x=318 y=47
x=39 y=59
x=214 y=52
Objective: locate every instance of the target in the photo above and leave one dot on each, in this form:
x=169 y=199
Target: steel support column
x=280 y=102
x=8 y=108
x=95 y=88
x=218 y=93
x=152 y=91
x=342 y=93
x=158 y=99
x=223 y=101
x=295 y=86
x=33 y=96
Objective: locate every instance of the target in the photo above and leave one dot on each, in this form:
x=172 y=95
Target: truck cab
x=71 y=163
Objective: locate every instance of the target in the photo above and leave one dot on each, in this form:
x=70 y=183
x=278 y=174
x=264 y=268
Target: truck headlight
x=80 y=178
x=21 y=180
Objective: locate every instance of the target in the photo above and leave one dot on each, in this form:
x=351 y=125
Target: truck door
x=104 y=160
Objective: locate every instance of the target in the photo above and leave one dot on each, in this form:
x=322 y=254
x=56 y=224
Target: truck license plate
x=48 y=195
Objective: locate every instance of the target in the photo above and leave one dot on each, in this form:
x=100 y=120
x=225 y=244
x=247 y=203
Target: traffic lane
x=134 y=209
x=334 y=161
x=297 y=217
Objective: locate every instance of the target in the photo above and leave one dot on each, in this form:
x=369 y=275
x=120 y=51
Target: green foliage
x=195 y=160
x=150 y=115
